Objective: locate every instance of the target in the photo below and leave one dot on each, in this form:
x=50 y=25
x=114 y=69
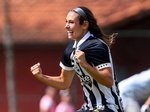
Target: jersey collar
x=86 y=36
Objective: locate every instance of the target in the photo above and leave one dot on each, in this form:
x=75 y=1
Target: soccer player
x=135 y=92
x=88 y=55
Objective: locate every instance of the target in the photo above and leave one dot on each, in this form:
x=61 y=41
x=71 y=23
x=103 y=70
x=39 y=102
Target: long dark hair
x=94 y=28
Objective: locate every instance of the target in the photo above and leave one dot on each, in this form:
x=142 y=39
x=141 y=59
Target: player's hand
x=36 y=70
x=80 y=57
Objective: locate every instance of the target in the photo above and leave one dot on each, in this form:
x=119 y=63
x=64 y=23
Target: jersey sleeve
x=65 y=62
x=98 y=55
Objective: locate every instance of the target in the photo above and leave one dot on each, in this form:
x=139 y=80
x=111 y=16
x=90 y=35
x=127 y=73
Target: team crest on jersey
x=85 y=80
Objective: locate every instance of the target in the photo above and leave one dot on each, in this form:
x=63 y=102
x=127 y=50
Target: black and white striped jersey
x=98 y=55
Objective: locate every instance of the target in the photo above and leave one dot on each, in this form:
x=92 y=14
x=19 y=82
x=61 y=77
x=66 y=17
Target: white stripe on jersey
x=65 y=67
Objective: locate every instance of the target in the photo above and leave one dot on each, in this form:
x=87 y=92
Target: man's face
x=74 y=29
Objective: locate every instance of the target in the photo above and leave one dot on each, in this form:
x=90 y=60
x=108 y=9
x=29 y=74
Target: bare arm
x=146 y=106
x=147 y=101
x=103 y=76
x=60 y=82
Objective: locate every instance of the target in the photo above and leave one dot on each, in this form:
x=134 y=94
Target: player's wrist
x=84 y=65
x=39 y=76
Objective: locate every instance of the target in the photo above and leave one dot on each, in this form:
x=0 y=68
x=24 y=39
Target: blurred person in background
x=146 y=106
x=88 y=55
x=65 y=104
x=135 y=92
x=47 y=102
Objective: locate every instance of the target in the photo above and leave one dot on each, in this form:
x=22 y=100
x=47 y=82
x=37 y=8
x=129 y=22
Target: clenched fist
x=36 y=70
x=80 y=57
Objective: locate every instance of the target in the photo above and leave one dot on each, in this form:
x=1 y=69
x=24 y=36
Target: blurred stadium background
x=36 y=28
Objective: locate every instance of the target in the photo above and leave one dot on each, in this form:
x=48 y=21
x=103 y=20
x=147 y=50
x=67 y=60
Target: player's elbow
x=64 y=86
x=109 y=83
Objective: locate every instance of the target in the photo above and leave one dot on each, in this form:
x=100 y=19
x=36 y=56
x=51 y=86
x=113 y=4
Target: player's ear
x=85 y=25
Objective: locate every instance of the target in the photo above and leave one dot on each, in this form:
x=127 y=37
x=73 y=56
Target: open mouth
x=70 y=31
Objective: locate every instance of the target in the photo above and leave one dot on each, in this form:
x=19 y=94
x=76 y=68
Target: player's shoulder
x=94 y=43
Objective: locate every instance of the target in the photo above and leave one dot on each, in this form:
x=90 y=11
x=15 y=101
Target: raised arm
x=63 y=81
x=103 y=76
